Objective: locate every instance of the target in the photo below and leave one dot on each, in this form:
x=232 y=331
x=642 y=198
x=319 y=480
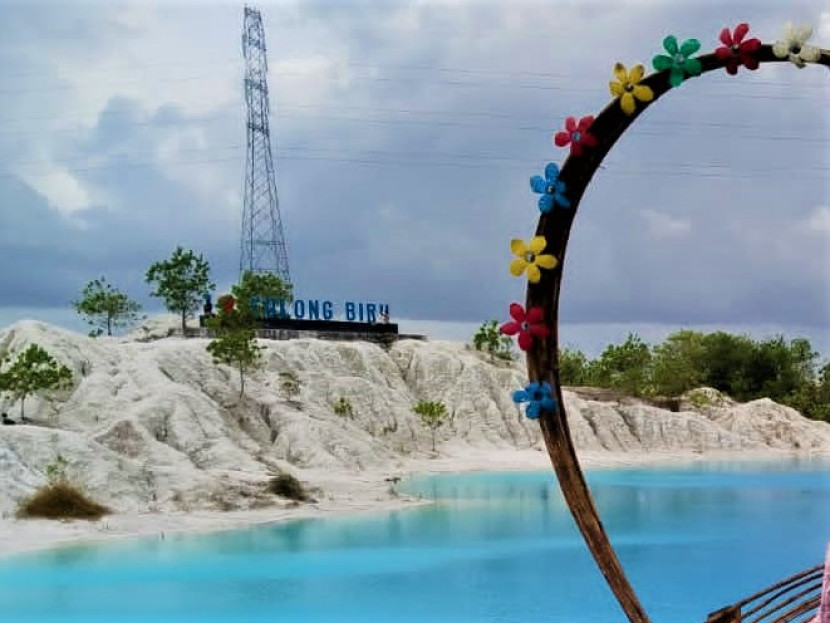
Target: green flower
x=678 y=60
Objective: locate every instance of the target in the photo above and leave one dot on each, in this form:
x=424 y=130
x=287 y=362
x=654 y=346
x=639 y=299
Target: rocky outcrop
x=154 y=424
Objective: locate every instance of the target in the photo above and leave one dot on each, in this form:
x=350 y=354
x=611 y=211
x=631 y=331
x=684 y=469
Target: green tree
x=32 y=372
x=725 y=362
x=820 y=407
x=433 y=415
x=626 y=367
x=259 y=285
x=786 y=373
x=812 y=399
x=106 y=307
x=488 y=339
x=573 y=367
x=181 y=281
x=677 y=363
x=237 y=348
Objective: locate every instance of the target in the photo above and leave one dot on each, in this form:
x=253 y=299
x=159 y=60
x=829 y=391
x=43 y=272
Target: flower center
x=530 y=257
x=795 y=48
x=550 y=189
x=679 y=59
x=525 y=326
x=736 y=48
x=628 y=87
x=537 y=396
x=576 y=136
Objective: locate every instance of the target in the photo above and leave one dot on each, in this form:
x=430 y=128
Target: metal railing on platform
x=794 y=600
x=293 y=334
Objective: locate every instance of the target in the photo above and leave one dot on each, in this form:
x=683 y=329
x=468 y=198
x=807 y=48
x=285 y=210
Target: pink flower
x=528 y=325
x=577 y=135
x=735 y=51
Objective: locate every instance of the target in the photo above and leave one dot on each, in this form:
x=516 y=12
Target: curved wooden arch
x=543 y=357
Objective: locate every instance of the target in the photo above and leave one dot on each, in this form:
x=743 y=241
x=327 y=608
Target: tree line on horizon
x=788 y=372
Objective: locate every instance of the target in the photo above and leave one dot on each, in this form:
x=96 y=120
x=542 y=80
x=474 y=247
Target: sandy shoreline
x=350 y=494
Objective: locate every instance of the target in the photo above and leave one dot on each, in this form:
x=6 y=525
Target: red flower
x=736 y=51
x=528 y=326
x=227 y=302
x=577 y=135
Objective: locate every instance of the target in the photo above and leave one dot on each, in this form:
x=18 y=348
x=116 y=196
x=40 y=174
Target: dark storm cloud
x=403 y=166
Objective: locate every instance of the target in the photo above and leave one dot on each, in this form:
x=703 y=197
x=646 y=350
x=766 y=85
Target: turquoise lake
x=495 y=548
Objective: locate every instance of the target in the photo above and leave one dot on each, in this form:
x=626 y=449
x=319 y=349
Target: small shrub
x=433 y=415
x=343 y=407
x=287 y=486
x=61 y=500
x=56 y=470
x=289 y=385
x=221 y=502
x=489 y=339
x=700 y=400
x=704 y=397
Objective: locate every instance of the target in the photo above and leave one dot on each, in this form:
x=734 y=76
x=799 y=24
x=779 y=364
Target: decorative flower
x=735 y=51
x=678 y=60
x=528 y=325
x=538 y=396
x=227 y=302
x=577 y=135
x=793 y=45
x=529 y=258
x=551 y=187
x=628 y=88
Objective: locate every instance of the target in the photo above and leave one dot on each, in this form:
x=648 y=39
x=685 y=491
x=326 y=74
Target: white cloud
x=63 y=191
x=823 y=30
x=308 y=78
x=818 y=222
x=661 y=226
x=365 y=95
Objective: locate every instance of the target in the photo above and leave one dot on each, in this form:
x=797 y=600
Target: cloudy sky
x=405 y=134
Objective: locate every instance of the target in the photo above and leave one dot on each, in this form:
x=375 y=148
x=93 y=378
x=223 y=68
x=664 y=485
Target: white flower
x=793 y=45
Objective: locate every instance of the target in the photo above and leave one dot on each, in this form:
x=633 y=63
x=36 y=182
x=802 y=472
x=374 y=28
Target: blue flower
x=551 y=189
x=538 y=396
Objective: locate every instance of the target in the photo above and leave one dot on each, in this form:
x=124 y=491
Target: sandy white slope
x=154 y=429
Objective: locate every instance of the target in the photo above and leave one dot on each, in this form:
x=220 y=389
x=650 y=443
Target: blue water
x=496 y=548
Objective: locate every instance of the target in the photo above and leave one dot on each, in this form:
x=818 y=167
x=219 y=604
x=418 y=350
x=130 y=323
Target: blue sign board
x=314 y=309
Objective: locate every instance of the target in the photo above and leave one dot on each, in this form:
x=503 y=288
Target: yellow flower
x=528 y=258
x=628 y=88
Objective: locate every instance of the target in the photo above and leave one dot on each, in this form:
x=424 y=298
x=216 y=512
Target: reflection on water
x=493 y=548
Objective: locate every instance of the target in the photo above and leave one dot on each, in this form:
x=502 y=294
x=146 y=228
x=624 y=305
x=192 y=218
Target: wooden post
x=730 y=614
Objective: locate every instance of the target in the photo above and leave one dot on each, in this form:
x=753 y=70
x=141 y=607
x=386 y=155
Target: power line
x=397 y=79
x=450 y=119
x=384 y=152
x=454 y=160
x=119 y=68
x=451 y=114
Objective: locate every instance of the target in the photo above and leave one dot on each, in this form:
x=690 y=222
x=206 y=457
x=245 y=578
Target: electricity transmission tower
x=263 y=241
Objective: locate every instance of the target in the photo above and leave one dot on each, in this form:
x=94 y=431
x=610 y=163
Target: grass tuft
x=287 y=486
x=61 y=500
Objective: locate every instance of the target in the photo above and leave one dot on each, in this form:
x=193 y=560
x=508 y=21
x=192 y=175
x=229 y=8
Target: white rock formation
x=154 y=424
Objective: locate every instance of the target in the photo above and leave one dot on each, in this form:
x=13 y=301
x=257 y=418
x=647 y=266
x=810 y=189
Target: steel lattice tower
x=263 y=241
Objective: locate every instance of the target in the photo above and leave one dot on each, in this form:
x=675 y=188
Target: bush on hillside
x=61 y=500
x=287 y=486
x=343 y=407
x=788 y=372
